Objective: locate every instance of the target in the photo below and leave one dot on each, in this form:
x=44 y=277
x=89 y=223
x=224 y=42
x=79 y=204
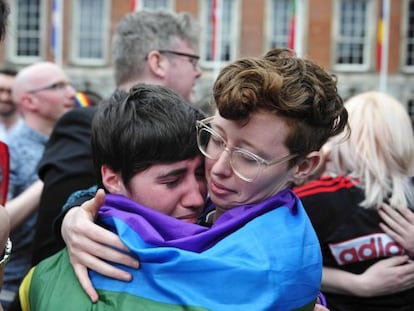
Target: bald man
x=42 y=93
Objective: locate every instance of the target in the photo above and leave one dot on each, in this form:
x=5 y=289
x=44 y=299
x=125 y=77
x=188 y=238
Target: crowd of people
x=284 y=197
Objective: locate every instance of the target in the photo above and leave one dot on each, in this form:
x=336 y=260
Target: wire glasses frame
x=54 y=86
x=245 y=164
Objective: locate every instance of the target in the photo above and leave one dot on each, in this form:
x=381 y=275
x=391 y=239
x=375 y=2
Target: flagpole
x=299 y=28
x=57 y=31
x=216 y=39
x=385 y=46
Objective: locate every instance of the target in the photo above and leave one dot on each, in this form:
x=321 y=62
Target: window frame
x=269 y=18
x=370 y=40
x=404 y=38
x=75 y=38
x=235 y=35
x=170 y=5
x=12 y=37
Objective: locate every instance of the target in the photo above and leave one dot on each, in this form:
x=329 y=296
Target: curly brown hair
x=294 y=88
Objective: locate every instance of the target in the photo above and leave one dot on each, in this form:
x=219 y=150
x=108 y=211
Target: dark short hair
x=149 y=125
x=8 y=70
x=4 y=15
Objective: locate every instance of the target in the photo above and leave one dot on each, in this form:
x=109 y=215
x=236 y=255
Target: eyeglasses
x=193 y=58
x=245 y=164
x=57 y=86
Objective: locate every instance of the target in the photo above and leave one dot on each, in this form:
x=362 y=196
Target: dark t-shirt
x=351 y=239
x=66 y=166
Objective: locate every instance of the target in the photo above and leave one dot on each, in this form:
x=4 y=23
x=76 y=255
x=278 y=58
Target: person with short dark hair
x=10 y=119
x=4 y=15
x=154 y=47
x=145 y=151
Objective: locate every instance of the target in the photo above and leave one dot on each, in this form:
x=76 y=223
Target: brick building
x=340 y=35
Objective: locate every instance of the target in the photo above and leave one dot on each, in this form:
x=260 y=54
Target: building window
x=153 y=4
x=353 y=37
x=408 y=36
x=27 y=29
x=90 y=32
x=156 y=4
x=279 y=19
x=226 y=39
x=410 y=109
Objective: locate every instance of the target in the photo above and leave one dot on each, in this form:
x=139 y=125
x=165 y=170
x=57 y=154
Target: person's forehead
x=163 y=170
x=48 y=75
x=185 y=46
x=259 y=131
x=6 y=79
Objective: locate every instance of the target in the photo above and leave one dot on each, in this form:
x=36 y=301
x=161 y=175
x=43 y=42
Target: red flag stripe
x=292 y=26
x=214 y=28
x=134 y=5
x=327 y=185
x=380 y=38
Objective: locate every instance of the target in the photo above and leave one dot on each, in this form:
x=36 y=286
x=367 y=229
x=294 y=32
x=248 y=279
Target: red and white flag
x=215 y=14
x=134 y=5
x=292 y=26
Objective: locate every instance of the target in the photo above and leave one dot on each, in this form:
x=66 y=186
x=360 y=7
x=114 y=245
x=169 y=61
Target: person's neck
x=10 y=120
x=40 y=125
x=147 y=80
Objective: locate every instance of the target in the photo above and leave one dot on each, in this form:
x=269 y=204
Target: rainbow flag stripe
x=82 y=100
x=262 y=257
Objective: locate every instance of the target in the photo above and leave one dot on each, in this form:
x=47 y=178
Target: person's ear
x=157 y=64
x=307 y=166
x=112 y=181
x=28 y=103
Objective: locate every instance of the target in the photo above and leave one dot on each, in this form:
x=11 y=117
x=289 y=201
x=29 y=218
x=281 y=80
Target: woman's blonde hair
x=379 y=151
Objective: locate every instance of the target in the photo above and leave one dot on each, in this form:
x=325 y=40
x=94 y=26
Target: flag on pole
x=56 y=38
x=134 y=5
x=292 y=25
x=255 y=257
x=380 y=37
x=214 y=29
x=383 y=44
x=53 y=38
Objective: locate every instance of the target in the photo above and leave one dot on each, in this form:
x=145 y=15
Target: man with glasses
x=145 y=151
x=152 y=47
x=42 y=93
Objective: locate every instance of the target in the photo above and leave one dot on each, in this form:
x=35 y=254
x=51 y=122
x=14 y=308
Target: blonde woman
x=372 y=166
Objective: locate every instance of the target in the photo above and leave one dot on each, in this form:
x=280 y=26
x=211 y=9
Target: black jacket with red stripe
x=350 y=238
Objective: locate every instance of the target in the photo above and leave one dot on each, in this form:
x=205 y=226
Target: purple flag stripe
x=159 y=229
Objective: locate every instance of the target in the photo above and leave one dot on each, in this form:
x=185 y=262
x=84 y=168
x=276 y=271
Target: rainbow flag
x=380 y=38
x=261 y=257
x=292 y=26
x=82 y=100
